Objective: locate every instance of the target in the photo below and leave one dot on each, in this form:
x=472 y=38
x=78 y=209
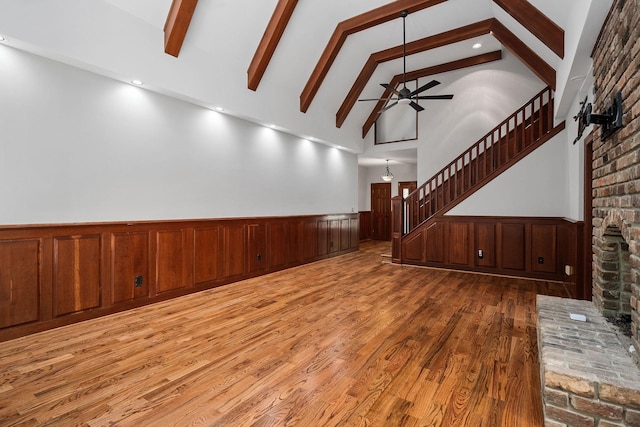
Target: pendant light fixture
x=388 y=176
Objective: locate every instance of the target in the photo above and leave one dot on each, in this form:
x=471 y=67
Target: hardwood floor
x=345 y=341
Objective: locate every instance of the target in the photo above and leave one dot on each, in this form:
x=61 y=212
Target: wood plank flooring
x=349 y=341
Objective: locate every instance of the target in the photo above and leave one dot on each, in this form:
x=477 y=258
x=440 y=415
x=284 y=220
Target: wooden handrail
x=480 y=162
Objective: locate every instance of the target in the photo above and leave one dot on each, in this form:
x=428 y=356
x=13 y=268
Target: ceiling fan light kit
x=404 y=96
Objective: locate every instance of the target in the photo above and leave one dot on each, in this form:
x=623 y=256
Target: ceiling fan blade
x=429 y=85
x=387 y=107
x=434 y=97
x=390 y=88
x=416 y=106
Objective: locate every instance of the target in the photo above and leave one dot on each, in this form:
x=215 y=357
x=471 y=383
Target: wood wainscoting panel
x=543 y=248
x=257 y=254
x=277 y=244
x=512 y=246
x=434 y=242
x=130 y=268
x=334 y=235
x=206 y=255
x=172 y=260
x=365 y=225
x=345 y=234
x=458 y=242
x=485 y=241
x=19 y=282
x=413 y=248
x=233 y=253
x=295 y=246
x=56 y=274
x=76 y=273
x=354 y=238
x=534 y=247
x=310 y=239
x=323 y=237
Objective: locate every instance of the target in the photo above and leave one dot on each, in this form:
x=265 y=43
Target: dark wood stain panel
x=310 y=239
x=129 y=259
x=413 y=248
x=19 y=296
x=345 y=234
x=53 y=275
x=510 y=245
x=171 y=260
x=295 y=252
x=233 y=251
x=206 y=258
x=354 y=233
x=486 y=242
x=458 y=243
x=77 y=276
x=513 y=246
x=278 y=248
x=334 y=235
x=257 y=255
x=543 y=248
x=435 y=242
x=323 y=237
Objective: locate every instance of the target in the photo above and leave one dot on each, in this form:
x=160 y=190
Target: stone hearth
x=587 y=374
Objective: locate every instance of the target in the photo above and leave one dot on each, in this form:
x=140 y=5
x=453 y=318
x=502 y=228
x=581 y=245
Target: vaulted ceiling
x=300 y=66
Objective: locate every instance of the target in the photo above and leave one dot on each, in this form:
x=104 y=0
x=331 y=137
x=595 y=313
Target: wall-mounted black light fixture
x=610 y=121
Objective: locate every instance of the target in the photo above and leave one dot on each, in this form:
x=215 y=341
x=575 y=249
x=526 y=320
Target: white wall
x=447 y=128
x=78 y=147
x=535 y=186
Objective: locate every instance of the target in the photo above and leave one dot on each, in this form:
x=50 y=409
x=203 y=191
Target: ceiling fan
x=404 y=95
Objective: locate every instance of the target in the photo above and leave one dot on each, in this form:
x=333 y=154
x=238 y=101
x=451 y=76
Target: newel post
x=396 y=229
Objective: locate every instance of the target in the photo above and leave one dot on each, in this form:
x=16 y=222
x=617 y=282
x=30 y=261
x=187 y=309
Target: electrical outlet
x=137 y=282
x=540 y=260
x=480 y=253
x=259 y=257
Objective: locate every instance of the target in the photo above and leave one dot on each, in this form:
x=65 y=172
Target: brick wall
x=616 y=165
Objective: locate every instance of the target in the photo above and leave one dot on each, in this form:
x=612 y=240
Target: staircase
x=513 y=139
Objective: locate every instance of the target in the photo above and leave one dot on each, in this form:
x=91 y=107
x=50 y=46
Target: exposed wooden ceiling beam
x=429 y=71
x=270 y=39
x=535 y=63
x=427 y=43
x=350 y=26
x=177 y=24
x=538 y=24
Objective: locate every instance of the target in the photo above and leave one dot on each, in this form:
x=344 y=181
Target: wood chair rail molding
x=177 y=25
x=269 y=42
x=423 y=72
x=538 y=24
x=350 y=26
x=489 y=26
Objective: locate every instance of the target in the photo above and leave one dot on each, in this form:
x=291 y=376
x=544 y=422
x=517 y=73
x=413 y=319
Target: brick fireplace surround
x=589 y=375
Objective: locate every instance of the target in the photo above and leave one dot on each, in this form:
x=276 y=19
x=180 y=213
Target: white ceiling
x=123 y=39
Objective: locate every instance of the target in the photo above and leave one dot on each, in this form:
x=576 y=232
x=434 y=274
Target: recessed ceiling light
x=477 y=46
x=136 y=82
x=219 y=109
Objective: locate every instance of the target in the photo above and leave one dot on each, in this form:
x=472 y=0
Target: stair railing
x=480 y=162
